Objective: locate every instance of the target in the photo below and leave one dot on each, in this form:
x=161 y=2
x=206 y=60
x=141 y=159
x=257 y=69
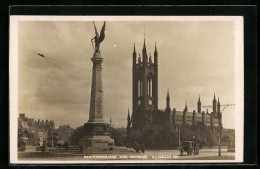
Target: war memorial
x=97 y=130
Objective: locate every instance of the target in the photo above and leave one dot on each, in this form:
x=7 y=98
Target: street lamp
x=219 y=144
x=219 y=133
x=52 y=139
x=179 y=136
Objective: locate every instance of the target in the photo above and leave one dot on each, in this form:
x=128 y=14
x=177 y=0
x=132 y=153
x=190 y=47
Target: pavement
x=204 y=154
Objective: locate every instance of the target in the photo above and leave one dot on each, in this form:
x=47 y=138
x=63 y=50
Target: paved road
x=205 y=154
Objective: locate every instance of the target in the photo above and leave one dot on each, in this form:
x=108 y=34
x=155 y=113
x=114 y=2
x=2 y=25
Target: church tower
x=145 y=88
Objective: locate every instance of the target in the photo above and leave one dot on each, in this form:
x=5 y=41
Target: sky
x=195 y=58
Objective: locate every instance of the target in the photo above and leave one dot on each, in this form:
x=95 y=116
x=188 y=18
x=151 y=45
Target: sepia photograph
x=126 y=89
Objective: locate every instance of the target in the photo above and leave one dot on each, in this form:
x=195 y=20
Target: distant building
x=39 y=129
x=64 y=132
x=24 y=121
x=145 y=99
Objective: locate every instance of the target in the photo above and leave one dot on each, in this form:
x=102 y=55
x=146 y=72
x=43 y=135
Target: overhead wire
x=65 y=71
x=105 y=75
x=50 y=77
x=75 y=78
x=68 y=64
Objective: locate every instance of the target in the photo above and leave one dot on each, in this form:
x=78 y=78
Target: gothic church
x=145 y=99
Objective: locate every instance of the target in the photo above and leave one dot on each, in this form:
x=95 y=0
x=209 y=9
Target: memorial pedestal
x=97 y=136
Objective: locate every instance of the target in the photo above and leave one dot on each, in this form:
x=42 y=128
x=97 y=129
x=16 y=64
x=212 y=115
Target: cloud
x=194 y=58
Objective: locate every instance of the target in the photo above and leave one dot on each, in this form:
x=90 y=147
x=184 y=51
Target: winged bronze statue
x=98 y=39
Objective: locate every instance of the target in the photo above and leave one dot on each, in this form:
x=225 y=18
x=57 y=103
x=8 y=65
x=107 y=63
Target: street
x=204 y=154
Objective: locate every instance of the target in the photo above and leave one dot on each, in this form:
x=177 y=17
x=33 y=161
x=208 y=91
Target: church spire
x=199 y=105
x=155 y=56
x=218 y=106
x=144 y=47
x=168 y=99
x=128 y=121
x=128 y=117
x=134 y=57
x=144 y=53
x=214 y=105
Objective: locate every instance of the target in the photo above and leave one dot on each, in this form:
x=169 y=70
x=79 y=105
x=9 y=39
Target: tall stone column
x=96 y=108
x=97 y=132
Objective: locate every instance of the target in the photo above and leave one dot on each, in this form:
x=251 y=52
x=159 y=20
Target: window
x=139 y=88
x=150 y=85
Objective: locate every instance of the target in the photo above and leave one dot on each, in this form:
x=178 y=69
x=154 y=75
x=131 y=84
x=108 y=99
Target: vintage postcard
x=126 y=89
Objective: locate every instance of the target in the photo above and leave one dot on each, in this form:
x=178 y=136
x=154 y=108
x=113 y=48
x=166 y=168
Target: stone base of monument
x=97 y=136
x=96 y=142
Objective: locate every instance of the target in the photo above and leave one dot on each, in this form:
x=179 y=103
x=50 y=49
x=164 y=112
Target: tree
x=23 y=133
x=119 y=136
x=77 y=135
x=154 y=136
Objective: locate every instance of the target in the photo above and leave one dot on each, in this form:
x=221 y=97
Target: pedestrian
x=142 y=148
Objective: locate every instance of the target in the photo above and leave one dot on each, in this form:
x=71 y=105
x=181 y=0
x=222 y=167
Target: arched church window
x=139 y=88
x=151 y=87
x=148 y=87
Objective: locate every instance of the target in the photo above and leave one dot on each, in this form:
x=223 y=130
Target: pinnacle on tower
x=168 y=99
x=128 y=117
x=199 y=105
x=144 y=45
x=144 y=48
x=218 y=99
x=144 y=53
x=155 y=48
x=139 y=58
x=134 y=48
x=168 y=95
x=214 y=96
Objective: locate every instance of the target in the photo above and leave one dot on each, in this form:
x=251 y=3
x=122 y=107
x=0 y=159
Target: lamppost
x=219 y=114
x=179 y=136
x=51 y=138
x=219 y=133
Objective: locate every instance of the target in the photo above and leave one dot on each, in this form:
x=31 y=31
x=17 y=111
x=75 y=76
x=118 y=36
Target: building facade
x=145 y=98
x=39 y=129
